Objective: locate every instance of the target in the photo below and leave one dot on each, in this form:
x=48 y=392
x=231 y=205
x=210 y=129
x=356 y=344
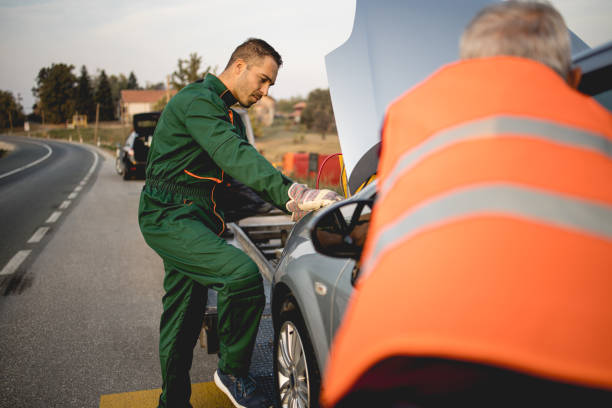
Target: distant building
x=264 y=110
x=139 y=101
x=296 y=115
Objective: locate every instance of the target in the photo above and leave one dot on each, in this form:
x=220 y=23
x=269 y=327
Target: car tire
x=126 y=172
x=118 y=166
x=297 y=379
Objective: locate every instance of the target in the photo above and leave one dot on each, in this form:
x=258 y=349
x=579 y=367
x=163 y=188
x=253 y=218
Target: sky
x=149 y=36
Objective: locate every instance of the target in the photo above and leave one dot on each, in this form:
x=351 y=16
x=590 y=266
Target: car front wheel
x=296 y=374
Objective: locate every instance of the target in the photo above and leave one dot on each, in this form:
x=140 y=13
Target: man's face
x=254 y=80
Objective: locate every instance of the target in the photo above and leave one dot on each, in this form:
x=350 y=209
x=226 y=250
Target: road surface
x=81 y=322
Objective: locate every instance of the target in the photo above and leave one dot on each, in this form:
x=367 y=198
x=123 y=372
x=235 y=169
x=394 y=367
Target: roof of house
x=143 y=96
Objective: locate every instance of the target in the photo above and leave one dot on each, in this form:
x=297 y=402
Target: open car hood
x=144 y=123
x=394 y=45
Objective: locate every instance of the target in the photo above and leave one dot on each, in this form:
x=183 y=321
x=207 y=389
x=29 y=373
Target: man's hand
x=304 y=199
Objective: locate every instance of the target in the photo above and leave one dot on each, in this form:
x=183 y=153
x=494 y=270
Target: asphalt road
x=82 y=320
x=35 y=179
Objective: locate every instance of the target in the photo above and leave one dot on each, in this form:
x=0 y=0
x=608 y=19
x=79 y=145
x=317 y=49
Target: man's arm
x=207 y=123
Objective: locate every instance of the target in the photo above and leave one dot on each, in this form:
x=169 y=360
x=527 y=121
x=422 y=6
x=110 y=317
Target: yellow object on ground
x=202 y=395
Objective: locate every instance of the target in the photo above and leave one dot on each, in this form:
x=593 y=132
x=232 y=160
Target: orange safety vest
x=491 y=237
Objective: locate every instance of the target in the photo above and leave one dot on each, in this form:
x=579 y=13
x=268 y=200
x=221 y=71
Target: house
x=139 y=101
x=264 y=110
x=296 y=115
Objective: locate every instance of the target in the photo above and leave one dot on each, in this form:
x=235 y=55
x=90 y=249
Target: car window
x=130 y=140
x=349 y=209
x=605 y=98
x=596 y=67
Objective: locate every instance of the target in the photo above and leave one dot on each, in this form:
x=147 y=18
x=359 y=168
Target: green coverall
x=197 y=140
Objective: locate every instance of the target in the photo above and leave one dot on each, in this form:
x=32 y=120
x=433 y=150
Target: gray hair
x=528 y=29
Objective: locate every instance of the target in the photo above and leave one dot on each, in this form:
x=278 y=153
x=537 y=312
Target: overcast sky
x=148 y=37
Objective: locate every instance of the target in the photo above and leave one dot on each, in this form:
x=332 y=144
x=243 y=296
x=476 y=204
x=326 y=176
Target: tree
x=286 y=105
x=132 y=81
x=158 y=85
x=188 y=71
x=117 y=83
x=55 y=90
x=84 y=101
x=318 y=114
x=105 y=98
x=161 y=104
x=11 y=111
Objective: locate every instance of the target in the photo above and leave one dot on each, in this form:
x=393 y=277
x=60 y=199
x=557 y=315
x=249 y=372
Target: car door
x=596 y=66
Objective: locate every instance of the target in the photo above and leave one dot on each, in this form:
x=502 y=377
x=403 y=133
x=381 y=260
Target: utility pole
x=10 y=120
x=43 y=123
x=167 y=89
x=96 y=128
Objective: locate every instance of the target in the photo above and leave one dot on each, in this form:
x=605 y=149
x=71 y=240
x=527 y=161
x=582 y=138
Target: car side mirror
x=340 y=230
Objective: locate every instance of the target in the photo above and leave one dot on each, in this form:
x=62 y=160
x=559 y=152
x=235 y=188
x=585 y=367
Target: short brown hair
x=528 y=29
x=254 y=48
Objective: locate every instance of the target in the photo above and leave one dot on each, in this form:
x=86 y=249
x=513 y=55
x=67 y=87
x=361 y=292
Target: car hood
x=394 y=45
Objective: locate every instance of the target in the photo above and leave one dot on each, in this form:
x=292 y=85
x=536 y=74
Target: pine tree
x=84 y=101
x=132 y=81
x=105 y=98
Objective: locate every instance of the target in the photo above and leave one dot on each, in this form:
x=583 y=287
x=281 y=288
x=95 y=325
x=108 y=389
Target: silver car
x=313 y=281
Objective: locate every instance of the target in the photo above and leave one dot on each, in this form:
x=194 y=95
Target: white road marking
x=20 y=256
x=54 y=217
x=72 y=196
x=38 y=235
x=30 y=164
x=93 y=166
x=15 y=262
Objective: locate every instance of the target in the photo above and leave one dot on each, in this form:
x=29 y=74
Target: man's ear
x=239 y=66
x=574 y=76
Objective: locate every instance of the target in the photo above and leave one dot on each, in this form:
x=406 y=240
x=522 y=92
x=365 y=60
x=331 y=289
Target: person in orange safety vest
x=486 y=276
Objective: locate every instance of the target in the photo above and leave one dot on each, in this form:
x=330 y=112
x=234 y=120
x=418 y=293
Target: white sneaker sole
x=226 y=391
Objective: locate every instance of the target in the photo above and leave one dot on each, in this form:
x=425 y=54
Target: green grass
x=109 y=137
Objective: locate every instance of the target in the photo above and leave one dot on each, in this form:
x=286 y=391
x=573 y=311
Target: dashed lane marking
x=21 y=255
x=15 y=262
x=202 y=395
x=54 y=217
x=38 y=235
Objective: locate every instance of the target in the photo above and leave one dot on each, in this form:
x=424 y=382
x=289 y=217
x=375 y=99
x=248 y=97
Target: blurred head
x=251 y=71
x=528 y=29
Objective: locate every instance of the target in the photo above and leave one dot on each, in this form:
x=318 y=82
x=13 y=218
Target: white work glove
x=304 y=199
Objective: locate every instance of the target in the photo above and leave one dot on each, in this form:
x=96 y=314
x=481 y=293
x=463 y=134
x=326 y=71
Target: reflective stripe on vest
x=497 y=127
x=509 y=200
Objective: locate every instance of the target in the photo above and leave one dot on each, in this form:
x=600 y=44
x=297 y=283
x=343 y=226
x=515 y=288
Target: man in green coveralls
x=198 y=141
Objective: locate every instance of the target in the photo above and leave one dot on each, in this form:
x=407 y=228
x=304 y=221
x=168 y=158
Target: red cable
x=323 y=164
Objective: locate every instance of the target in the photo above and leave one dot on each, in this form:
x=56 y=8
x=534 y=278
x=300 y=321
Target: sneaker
x=242 y=391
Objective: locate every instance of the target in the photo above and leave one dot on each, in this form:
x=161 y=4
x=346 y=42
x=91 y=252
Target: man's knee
x=245 y=279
